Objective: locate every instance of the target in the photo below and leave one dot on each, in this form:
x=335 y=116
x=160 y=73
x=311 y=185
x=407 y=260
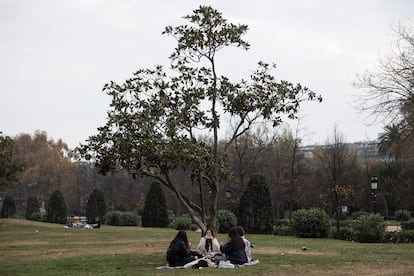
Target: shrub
x=356 y=214
x=282 y=231
x=56 y=209
x=32 y=207
x=95 y=207
x=113 y=218
x=117 y=218
x=368 y=228
x=402 y=215
x=128 y=219
x=36 y=216
x=408 y=225
x=399 y=237
x=9 y=207
x=255 y=211
x=345 y=233
x=310 y=223
x=226 y=220
x=155 y=211
x=181 y=223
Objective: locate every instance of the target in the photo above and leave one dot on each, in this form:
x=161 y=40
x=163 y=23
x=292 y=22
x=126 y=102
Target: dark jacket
x=178 y=254
x=234 y=255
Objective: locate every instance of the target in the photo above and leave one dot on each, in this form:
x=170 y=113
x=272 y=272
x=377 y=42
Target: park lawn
x=37 y=248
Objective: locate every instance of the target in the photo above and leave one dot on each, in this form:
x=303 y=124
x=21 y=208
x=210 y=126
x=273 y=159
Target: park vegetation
x=260 y=173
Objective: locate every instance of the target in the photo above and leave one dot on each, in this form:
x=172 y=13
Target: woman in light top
x=208 y=245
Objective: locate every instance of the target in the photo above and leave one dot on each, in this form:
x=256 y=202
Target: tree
x=96 y=207
x=56 y=209
x=155 y=209
x=255 y=211
x=9 y=207
x=390 y=88
x=10 y=164
x=336 y=169
x=155 y=119
x=32 y=207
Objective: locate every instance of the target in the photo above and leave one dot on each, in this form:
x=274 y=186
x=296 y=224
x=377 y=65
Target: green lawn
x=35 y=248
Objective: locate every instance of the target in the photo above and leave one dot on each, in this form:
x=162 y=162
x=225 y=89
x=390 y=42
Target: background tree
x=9 y=207
x=255 y=211
x=152 y=127
x=56 y=208
x=10 y=164
x=390 y=88
x=96 y=207
x=155 y=209
x=336 y=165
x=32 y=207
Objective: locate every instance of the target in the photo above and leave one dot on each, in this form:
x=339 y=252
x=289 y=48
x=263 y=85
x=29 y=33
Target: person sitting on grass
x=247 y=245
x=234 y=249
x=208 y=245
x=179 y=253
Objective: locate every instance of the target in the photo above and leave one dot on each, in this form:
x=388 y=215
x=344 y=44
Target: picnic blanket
x=222 y=264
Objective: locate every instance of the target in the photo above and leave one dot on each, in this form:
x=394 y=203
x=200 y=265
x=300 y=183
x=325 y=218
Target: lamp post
x=374 y=187
x=228 y=195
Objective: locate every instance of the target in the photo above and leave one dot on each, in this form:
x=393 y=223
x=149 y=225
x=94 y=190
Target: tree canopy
x=10 y=164
x=156 y=119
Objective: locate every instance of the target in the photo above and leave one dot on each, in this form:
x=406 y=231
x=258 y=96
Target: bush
x=357 y=214
x=226 y=220
x=37 y=216
x=181 y=223
x=155 y=210
x=345 y=233
x=408 y=225
x=56 y=209
x=117 y=218
x=310 y=223
x=402 y=215
x=9 y=207
x=281 y=222
x=368 y=228
x=32 y=207
x=113 y=218
x=281 y=231
x=399 y=237
x=96 y=207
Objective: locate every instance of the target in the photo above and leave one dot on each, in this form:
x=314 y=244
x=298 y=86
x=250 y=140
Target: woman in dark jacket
x=178 y=253
x=234 y=248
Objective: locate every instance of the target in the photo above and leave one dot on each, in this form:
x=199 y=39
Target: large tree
x=10 y=164
x=155 y=120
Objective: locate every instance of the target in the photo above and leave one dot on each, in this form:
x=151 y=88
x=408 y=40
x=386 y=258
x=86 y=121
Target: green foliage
x=399 y=237
x=150 y=127
x=96 y=207
x=368 y=228
x=182 y=223
x=310 y=223
x=226 y=220
x=36 y=216
x=10 y=165
x=402 y=215
x=118 y=218
x=357 y=214
x=408 y=225
x=56 y=210
x=282 y=231
x=155 y=210
x=9 y=207
x=345 y=233
x=256 y=211
x=32 y=206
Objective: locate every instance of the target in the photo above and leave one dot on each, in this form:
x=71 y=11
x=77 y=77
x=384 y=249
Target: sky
x=56 y=56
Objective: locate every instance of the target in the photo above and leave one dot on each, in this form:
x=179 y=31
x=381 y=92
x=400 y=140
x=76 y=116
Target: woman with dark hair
x=178 y=253
x=208 y=245
x=234 y=248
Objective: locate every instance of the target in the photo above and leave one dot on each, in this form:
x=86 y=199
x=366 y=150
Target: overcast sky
x=56 y=56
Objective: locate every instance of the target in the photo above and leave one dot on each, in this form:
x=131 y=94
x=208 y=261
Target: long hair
x=235 y=238
x=209 y=242
x=181 y=235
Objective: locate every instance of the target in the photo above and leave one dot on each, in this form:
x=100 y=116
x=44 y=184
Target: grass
x=35 y=248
